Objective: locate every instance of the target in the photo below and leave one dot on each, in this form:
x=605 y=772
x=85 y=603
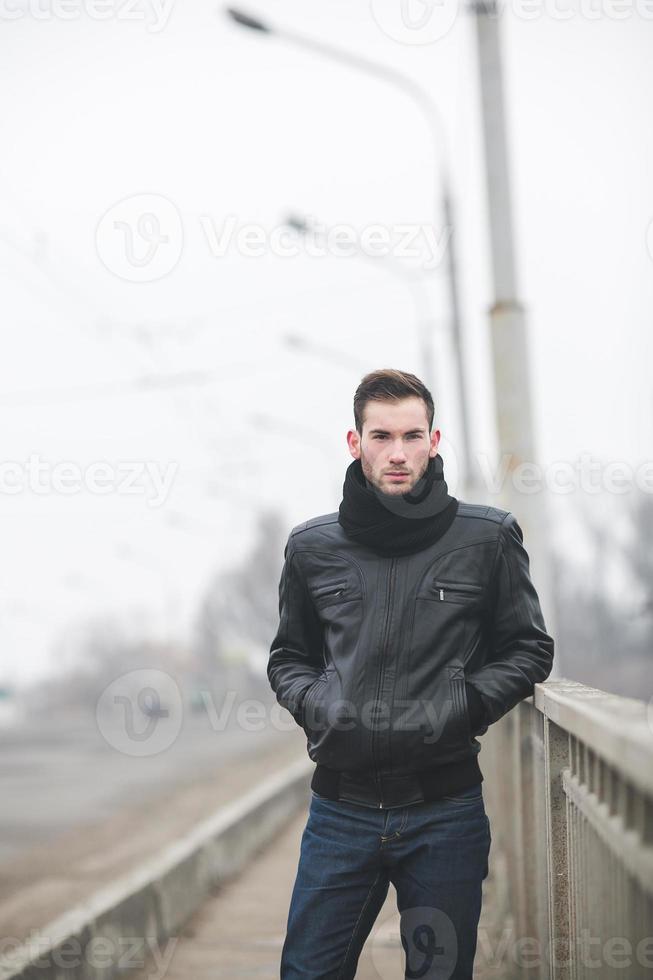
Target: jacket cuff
x=476 y=708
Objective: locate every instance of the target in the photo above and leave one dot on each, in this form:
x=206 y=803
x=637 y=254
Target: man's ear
x=435 y=439
x=354 y=443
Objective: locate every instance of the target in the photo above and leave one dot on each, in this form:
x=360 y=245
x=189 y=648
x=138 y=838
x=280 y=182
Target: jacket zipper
x=375 y=769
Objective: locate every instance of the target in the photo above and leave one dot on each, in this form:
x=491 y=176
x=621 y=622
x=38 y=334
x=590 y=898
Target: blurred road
x=77 y=814
x=57 y=775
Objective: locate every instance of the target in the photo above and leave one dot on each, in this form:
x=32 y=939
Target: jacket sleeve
x=296 y=653
x=520 y=650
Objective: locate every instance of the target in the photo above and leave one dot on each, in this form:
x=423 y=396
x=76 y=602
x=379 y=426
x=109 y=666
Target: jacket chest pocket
x=450 y=589
x=331 y=592
x=338 y=590
x=445 y=590
x=338 y=604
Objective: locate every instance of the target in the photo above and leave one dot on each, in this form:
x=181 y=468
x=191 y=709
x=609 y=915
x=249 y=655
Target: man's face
x=395 y=447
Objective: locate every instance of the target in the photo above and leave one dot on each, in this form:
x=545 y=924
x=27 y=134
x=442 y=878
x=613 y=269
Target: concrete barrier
x=99 y=939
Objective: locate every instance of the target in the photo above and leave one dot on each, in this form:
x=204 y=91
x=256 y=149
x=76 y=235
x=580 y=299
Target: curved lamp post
x=434 y=119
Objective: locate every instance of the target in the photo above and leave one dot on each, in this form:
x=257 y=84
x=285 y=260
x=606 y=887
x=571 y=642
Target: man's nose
x=398 y=453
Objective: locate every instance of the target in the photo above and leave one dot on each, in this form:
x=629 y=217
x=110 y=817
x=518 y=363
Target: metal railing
x=569 y=792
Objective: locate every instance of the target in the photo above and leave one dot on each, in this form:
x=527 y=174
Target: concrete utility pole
x=509 y=339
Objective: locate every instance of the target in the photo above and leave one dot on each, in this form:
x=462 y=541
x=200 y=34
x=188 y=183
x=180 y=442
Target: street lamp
x=424 y=318
x=304 y=346
x=432 y=115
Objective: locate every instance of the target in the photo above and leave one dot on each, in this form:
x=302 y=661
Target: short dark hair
x=390 y=385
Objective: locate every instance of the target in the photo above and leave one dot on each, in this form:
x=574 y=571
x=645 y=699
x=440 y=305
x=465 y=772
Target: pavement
x=239 y=931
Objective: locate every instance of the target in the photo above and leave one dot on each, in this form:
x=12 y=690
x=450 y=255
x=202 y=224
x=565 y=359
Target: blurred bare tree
x=605 y=618
x=238 y=615
x=95 y=653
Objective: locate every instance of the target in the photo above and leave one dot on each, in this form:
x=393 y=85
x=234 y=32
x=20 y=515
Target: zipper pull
x=441 y=595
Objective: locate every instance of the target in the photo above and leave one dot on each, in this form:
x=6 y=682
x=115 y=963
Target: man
x=408 y=625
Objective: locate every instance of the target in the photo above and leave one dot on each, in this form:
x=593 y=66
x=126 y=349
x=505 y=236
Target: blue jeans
x=436 y=856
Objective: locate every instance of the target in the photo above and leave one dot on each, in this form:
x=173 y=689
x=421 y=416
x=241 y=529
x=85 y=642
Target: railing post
x=556 y=756
x=527 y=843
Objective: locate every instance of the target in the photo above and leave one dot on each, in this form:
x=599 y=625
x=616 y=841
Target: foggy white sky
x=221 y=122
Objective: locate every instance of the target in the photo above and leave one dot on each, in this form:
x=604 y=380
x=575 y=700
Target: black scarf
x=401 y=524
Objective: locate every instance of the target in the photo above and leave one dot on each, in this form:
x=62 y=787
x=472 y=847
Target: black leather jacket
x=394 y=665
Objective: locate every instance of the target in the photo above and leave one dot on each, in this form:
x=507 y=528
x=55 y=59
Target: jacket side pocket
x=462 y=731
